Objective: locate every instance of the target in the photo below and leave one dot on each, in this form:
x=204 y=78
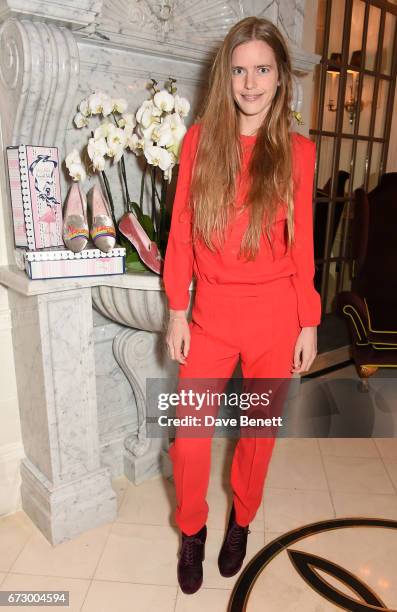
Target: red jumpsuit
x=248 y=310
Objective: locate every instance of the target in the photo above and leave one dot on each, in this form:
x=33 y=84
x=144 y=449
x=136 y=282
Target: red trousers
x=261 y=328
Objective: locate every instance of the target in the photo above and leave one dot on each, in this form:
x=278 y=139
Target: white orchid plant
x=154 y=132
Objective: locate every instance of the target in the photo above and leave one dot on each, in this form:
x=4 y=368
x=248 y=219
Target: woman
x=242 y=224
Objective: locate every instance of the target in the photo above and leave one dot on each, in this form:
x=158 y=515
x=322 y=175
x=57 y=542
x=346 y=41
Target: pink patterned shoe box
x=35 y=196
x=62 y=263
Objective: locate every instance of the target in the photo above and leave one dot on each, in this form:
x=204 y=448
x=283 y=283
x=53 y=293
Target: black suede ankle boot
x=190 y=564
x=234 y=547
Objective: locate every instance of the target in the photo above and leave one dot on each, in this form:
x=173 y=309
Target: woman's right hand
x=178 y=334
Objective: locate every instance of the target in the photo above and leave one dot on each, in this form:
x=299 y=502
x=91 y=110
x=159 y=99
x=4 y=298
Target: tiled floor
x=130 y=565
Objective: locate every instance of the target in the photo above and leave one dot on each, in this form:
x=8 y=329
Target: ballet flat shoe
x=130 y=227
x=103 y=232
x=75 y=231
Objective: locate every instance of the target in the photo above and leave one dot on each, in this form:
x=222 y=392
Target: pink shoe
x=103 y=232
x=75 y=227
x=130 y=227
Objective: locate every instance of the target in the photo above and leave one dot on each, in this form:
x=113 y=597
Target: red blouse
x=182 y=259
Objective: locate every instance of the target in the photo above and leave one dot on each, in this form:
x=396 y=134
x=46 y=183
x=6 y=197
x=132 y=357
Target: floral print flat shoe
x=75 y=231
x=103 y=232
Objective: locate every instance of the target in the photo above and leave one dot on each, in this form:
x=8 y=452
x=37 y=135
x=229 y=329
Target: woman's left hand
x=305 y=350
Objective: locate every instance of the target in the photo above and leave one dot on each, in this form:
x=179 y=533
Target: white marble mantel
x=18 y=281
x=65 y=489
x=52 y=54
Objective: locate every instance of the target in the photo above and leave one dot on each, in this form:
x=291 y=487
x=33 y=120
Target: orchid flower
x=164 y=101
x=77 y=172
x=119 y=105
x=80 y=120
x=157 y=156
x=182 y=106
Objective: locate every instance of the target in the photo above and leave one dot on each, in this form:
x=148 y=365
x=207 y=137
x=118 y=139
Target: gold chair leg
x=367 y=371
x=364 y=373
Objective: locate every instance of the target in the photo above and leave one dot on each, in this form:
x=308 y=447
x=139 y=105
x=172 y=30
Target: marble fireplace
x=83 y=348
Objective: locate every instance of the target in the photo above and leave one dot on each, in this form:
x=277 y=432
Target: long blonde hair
x=219 y=154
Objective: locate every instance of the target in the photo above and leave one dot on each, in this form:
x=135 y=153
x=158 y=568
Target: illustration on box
x=35 y=196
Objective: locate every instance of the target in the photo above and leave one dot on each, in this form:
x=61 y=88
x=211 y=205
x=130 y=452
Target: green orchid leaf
x=133 y=262
x=147 y=225
x=135 y=266
x=136 y=208
x=144 y=220
x=126 y=244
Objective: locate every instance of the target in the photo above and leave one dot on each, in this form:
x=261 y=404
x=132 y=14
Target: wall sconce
x=334 y=71
x=352 y=103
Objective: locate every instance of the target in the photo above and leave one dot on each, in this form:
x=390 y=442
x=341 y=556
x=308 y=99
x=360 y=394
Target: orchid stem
x=164 y=185
x=153 y=211
x=123 y=172
x=157 y=194
x=109 y=195
x=142 y=187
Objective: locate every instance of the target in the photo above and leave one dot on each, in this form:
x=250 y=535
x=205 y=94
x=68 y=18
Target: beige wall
x=308 y=44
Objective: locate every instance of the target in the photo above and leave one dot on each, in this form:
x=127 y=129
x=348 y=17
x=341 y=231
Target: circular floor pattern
x=346 y=563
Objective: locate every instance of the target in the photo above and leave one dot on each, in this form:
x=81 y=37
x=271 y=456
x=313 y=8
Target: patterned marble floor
x=129 y=565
